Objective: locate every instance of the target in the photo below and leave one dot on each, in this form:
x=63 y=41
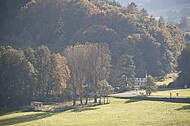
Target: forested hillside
x=61 y=23
x=148 y=44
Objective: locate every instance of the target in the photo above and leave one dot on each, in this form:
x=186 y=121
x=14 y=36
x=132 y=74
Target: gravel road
x=131 y=93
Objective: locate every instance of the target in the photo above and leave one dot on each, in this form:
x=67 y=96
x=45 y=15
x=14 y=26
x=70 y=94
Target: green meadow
x=123 y=111
x=181 y=92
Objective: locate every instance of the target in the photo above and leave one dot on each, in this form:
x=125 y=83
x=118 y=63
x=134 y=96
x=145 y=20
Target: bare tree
x=100 y=58
x=89 y=62
x=104 y=89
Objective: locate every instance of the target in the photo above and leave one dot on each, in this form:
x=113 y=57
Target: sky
x=158 y=7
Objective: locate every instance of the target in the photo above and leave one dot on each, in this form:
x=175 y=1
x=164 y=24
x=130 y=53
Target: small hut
x=37 y=104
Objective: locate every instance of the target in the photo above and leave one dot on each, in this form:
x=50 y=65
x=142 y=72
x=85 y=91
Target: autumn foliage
x=62 y=74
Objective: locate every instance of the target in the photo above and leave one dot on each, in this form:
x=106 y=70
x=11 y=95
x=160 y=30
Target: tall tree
x=184 y=68
x=161 y=21
x=126 y=68
x=100 y=63
x=144 y=12
x=62 y=74
x=15 y=76
x=76 y=57
x=87 y=62
x=45 y=66
x=132 y=8
x=150 y=85
x=184 y=24
x=103 y=89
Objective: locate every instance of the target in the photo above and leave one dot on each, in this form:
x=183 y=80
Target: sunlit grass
x=181 y=92
x=120 y=112
x=168 y=79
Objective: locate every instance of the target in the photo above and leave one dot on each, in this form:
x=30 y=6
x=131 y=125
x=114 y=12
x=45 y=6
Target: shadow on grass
x=132 y=100
x=8 y=111
x=31 y=117
x=186 y=107
x=142 y=98
x=83 y=109
x=26 y=118
x=41 y=115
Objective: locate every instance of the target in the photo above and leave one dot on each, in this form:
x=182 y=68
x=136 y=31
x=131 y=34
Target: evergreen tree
x=45 y=72
x=15 y=77
x=150 y=85
x=184 y=68
x=126 y=68
x=144 y=12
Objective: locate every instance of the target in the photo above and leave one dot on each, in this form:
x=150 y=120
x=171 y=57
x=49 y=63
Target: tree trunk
x=86 y=99
x=5 y=102
x=95 y=98
x=95 y=93
x=104 y=99
x=80 y=91
x=87 y=92
x=81 y=99
x=100 y=100
x=107 y=99
x=95 y=88
x=74 y=101
x=74 y=97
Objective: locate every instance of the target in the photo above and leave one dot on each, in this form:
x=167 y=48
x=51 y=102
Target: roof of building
x=140 y=73
x=36 y=102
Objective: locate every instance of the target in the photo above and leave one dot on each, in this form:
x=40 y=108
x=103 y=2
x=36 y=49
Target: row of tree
x=89 y=64
x=26 y=75
x=39 y=75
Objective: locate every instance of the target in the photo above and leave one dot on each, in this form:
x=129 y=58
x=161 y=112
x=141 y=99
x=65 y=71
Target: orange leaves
x=134 y=36
x=129 y=37
x=62 y=73
x=137 y=36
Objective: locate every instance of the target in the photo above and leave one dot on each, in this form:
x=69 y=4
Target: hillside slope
x=154 y=45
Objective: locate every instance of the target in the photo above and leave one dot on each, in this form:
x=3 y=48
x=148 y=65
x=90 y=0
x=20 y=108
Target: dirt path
x=137 y=93
x=131 y=93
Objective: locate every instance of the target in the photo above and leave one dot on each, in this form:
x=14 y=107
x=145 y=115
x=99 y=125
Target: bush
x=171 y=85
x=162 y=86
x=123 y=88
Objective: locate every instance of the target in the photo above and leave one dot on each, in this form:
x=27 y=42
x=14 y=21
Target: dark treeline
x=26 y=75
x=184 y=70
x=135 y=41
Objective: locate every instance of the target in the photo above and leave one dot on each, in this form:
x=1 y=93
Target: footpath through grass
x=120 y=112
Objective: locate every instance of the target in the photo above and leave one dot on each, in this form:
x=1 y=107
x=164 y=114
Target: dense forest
x=45 y=43
x=184 y=68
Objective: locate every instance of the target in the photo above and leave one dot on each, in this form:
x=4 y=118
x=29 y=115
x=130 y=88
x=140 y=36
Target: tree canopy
x=184 y=68
x=150 y=85
x=57 y=24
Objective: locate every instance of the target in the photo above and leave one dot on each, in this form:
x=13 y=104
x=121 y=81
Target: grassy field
x=120 y=112
x=182 y=92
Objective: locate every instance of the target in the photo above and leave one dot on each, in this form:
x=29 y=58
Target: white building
x=140 y=79
x=37 y=104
